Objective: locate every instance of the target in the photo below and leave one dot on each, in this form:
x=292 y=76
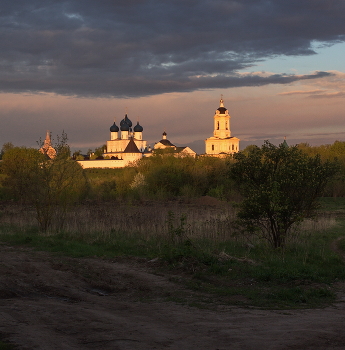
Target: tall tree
x=280 y=186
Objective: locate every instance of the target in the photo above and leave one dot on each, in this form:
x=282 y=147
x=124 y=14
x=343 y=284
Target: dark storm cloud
x=137 y=47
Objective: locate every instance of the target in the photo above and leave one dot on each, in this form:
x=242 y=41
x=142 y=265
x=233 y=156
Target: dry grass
x=203 y=218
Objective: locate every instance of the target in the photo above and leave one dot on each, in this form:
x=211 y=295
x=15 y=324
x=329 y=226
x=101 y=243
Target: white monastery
x=120 y=137
x=126 y=144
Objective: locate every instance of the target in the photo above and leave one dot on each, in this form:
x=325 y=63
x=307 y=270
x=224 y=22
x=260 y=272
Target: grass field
x=195 y=242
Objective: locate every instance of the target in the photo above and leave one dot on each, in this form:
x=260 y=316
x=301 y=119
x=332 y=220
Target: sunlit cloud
x=330 y=95
x=308 y=92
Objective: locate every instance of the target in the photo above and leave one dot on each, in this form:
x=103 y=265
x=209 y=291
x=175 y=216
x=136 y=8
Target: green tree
x=100 y=150
x=336 y=151
x=21 y=167
x=280 y=186
x=62 y=183
x=77 y=155
x=61 y=146
x=217 y=183
x=50 y=185
x=5 y=147
x=166 y=175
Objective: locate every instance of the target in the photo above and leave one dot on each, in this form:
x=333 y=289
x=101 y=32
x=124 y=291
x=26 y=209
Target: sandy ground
x=53 y=302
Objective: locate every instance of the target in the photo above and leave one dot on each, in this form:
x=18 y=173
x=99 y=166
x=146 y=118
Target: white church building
x=221 y=144
x=126 y=144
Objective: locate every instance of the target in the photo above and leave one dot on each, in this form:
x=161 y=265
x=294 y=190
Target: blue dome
x=138 y=128
x=124 y=127
x=114 y=128
x=126 y=120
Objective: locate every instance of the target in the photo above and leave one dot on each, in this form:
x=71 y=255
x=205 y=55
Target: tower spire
x=221 y=101
x=47 y=147
x=47 y=140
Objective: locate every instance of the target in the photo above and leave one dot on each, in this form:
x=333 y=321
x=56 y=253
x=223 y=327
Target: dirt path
x=52 y=302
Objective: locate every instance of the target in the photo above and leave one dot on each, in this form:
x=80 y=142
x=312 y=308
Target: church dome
x=138 y=128
x=221 y=110
x=114 y=128
x=126 y=120
x=124 y=127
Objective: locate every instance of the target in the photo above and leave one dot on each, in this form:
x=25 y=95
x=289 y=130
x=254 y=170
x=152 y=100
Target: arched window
x=217 y=125
x=212 y=147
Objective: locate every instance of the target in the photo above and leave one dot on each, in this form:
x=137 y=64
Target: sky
x=78 y=65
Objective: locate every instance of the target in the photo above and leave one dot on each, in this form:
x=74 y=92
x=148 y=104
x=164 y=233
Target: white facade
x=120 y=137
x=222 y=143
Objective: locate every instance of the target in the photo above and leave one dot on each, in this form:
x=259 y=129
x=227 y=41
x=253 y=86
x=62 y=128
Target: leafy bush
x=280 y=186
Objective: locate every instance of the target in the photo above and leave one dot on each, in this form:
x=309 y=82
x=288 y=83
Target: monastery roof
x=138 y=128
x=114 y=128
x=146 y=150
x=131 y=147
x=166 y=143
x=125 y=124
x=221 y=110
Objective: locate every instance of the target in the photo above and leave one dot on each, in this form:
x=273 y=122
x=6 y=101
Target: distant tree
x=165 y=174
x=335 y=151
x=280 y=186
x=168 y=176
x=212 y=177
x=21 y=167
x=248 y=149
x=168 y=151
x=100 y=150
x=61 y=146
x=5 y=147
x=50 y=185
x=76 y=154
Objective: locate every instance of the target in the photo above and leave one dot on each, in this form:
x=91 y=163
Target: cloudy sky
x=77 y=65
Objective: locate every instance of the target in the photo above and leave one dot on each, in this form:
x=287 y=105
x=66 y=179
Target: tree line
x=275 y=187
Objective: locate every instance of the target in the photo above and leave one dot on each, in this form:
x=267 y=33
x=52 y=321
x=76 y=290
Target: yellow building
x=222 y=143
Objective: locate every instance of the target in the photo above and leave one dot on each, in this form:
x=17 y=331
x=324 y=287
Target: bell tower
x=221 y=122
x=221 y=143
